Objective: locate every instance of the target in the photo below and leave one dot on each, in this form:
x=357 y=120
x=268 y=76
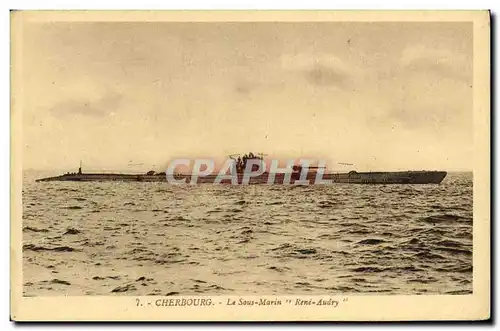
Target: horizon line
x=94 y=170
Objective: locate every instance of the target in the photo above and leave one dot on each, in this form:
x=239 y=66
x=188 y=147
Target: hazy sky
x=378 y=95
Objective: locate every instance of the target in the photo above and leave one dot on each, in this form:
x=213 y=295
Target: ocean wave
x=148 y=239
x=35 y=248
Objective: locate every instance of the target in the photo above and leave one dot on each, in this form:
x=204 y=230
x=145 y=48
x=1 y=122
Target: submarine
x=296 y=176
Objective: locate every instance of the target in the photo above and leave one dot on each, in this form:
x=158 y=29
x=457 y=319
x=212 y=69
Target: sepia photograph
x=231 y=160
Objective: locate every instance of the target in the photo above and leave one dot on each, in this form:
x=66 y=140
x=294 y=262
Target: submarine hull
x=353 y=177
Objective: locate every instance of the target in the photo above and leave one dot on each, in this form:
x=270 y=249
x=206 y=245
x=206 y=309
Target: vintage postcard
x=250 y=165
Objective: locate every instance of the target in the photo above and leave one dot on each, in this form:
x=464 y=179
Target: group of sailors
x=242 y=161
